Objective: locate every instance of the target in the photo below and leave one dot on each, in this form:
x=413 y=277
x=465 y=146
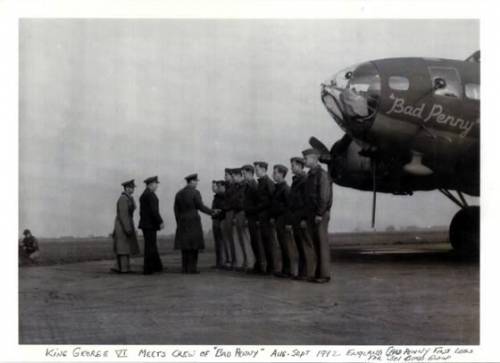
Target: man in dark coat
x=282 y=222
x=221 y=254
x=318 y=204
x=150 y=223
x=265 y=190
x=305 y=248
x=250 y=201
x=189 y=234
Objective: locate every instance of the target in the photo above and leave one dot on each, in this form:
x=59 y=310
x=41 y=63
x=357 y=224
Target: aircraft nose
x=352 y=98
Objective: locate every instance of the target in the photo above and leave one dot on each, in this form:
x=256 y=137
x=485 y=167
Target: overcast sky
x=104 y=101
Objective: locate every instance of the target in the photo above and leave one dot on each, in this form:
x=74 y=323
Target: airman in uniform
x=250 y=204
x=305 y=247
x=124 y=235
x=189 y=234
x=318 y=205
x=282 y=222
x=150 y=223
x=242 y=234
x=218 y=187
x=228 y=222
x=265 y=190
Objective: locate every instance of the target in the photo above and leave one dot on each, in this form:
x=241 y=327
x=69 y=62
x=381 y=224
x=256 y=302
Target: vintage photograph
x=249 y=181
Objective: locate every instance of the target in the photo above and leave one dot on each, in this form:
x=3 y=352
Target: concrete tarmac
x=380 y=294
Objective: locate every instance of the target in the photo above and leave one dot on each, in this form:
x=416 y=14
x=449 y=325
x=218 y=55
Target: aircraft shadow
x=401 y=257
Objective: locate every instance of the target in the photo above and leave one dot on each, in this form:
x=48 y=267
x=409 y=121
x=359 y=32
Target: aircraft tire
x=464 y=231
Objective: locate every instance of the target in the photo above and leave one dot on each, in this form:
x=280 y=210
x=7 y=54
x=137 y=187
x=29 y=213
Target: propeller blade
x=374 y=200
x=318 y=145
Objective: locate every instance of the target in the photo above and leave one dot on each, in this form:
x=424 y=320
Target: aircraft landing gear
x=464 y=231
x=464 y=227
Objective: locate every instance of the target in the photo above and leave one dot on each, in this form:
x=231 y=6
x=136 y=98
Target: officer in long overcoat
x=189 y=234
x=124 y=234
x=150 y=223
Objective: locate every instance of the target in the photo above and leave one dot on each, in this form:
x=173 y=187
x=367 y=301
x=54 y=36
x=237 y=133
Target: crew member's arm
x=155 y=209
x=325 y=194
x=266 y=197
x=176 y=210
x=253 y=198
x=287 y=211
x=199 y=204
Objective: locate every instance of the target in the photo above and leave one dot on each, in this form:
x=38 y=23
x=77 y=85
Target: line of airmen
x=285 y=228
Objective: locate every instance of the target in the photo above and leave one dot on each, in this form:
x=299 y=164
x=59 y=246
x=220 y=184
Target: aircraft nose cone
x=353 y=103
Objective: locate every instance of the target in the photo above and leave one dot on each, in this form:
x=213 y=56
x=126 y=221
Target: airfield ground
x=389 y=289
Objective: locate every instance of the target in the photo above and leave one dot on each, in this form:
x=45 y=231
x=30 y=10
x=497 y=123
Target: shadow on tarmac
x=395 y=254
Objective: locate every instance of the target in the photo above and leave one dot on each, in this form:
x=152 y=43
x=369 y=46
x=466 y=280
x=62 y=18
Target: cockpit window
x=399 y=83
x=451 y=87
x=362 y=94
x=472 y=91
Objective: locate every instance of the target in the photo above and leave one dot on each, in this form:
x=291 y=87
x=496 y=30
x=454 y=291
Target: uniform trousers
x=243 y=237
x=271 y=247
x=219 y=245
x=189 y=261
x=289 y=254
x=228 y=234
x=256 y=243
x=305 y=248
x=152 y=261
x=318 y=233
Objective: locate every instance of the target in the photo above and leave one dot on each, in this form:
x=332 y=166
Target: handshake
x=216 y=212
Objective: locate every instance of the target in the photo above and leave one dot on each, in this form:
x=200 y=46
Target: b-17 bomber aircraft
x=411 y=124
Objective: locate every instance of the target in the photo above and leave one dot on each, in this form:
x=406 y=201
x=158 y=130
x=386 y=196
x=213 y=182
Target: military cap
x=262 y=164
x=236 y=171
x=248 y=167
x=227 y=170
x=281 y=169
x=129 y=184
x=26 y=231
x=298 y=160
x=151 y=179
x=220 y=182
x=311 y=152
x=191 y=177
